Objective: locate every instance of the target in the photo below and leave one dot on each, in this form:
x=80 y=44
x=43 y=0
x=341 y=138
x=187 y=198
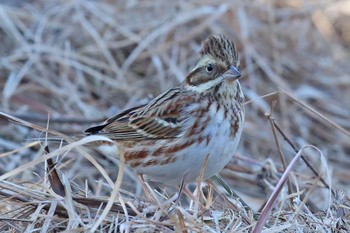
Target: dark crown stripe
x=220 y=47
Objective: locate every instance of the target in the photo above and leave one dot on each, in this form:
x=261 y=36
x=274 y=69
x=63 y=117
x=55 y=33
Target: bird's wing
x=159 y=119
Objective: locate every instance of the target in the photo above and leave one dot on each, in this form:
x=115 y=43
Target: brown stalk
x=302 y=156
x=115 y=191
x=59 y=211
x=269 y=204
x=182 y=222
x=199 y=197
x=283 y=160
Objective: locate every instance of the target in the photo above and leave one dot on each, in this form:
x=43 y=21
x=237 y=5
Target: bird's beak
x=232 y=73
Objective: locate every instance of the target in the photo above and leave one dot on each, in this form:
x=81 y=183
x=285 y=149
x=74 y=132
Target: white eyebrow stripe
x=205 y=86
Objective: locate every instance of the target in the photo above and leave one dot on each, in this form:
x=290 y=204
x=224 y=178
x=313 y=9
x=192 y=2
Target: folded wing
x=160 y=119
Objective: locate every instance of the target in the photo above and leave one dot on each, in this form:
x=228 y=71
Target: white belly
x=220 y=148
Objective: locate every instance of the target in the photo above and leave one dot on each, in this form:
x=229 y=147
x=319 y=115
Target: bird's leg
x=217 y=178
x=145 y=188
x=189 y=193
x=182 y=186
x=182 y=189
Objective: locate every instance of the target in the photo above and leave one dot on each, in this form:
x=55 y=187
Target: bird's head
x=219 y=62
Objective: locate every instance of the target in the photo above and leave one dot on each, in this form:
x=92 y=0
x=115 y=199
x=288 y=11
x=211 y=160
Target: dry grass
x=81 y=61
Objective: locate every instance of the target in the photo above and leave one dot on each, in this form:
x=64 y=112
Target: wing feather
x=159 y=119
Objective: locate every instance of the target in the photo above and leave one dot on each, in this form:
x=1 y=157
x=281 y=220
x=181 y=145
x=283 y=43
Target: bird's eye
x=210 y=67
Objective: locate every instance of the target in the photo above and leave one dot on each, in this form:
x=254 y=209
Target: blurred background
x=83 y=61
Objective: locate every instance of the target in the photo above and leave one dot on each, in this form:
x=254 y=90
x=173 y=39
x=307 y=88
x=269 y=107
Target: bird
x=174 y=133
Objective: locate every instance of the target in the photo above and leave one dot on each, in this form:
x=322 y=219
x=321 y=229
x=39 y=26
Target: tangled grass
x=66 y=65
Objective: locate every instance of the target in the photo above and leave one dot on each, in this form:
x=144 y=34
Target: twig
x=325 y=119
x=302 y=156
x=115 y=192
x=268 y=115
x=43 y=118
x=268 y=206
x=200 y=191
x=16 y=220
x=261 y=97
x=60 y=211
x=243 y=215
x=232 y=193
